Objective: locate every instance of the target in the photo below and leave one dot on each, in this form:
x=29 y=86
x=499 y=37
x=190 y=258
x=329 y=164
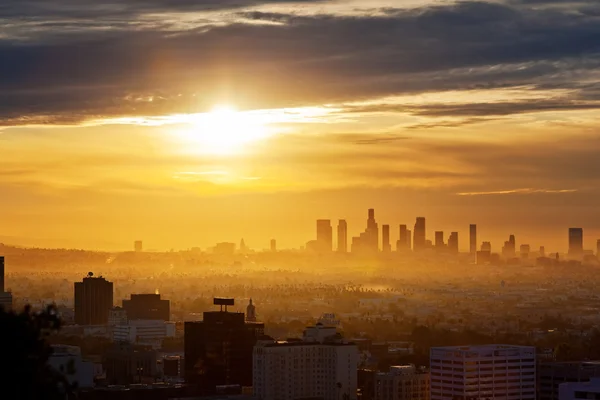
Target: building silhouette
x=147 y=306
x=93 y=300
x=386 y=247
x=453 y=242
x=473 y=239
x=403 y=242
x=250 y=312
x=551 y=375
x=419 y=234
x=5 y=297
x=273 y=245
x=439 y=240
x=409 y=239
x=342 y=236
x=218 y=349
x=402 y=382
x=138 y=246
x=324 y=235
x=598 y=248
x=575 y=242
x=510 y=247
x=367 y=241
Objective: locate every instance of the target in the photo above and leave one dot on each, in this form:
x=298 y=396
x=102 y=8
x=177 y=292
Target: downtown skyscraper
x=342 y=236
x=419 y=234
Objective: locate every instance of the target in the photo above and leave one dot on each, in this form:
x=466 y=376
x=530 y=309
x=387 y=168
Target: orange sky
x=253 y=120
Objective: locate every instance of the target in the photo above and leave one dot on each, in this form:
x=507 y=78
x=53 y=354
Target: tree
x=25 y=347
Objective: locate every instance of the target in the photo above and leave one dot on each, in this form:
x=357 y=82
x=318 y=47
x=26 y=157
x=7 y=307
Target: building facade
x=483 y=372
x=402 y=382
x=342 y=236
x=575 y=242
x=419 y=234
x=321 y=365
x=580 y=390
x=218 y=350
x=473 y=239
x=147 y=306
x=551 y=375
x=324 y=235
x=93 y=300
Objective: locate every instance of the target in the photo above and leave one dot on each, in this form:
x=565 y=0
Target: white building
x=150 y=332
x=579 y=390
x=481 y=372
x=320 y=365
x=403 y=382
x=67 y=360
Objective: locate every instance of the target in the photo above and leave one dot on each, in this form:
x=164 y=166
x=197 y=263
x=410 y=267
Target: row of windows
x=483 y=362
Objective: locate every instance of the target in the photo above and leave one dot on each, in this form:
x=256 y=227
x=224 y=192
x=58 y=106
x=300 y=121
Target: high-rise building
x=218 y=349
x=486 y=246
x=575 y=242
x=483 y=372
x=403 y=242
x=524 y=250
x=473 y=239
x=439 y=240
x=402 y=382
x=147 y=306
x=409 y=239
x=551 y=375
x=510 y=247
x=250 y=312
x=453 y=242
x=138 y=245
x=321 y=365
x=342 y=236
x=367 y=241
x=324 y=235
x=419 y=234
x=386 y=247
x=273 y=245
x=93 y=300
x=542 y=251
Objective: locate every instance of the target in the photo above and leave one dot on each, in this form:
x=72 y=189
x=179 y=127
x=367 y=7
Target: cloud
x=518 y=191
x=62 y=77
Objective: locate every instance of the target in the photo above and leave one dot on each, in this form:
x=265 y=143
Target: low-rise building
x=67 y=360
x=580 y=390
x=402 y=382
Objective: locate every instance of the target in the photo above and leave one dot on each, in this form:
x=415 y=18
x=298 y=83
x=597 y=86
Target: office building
x=93 y=300
x=473 y=239
x=575 y=242
x=486 y=246
x=142 y=331
x=117 y=316
x=402 y=382
x=273 y=245
x=419 y=234
x=342 y=236
x=409 y=239
x=510 y=247
x=368 y=241
x=524 y=250
x=137 y=246
x=127 y=364
x=551 y=375
x=320 y=365
x=147 y=306
x=403 y=242
x=481 y=372
x=439 y=240
x=250 y=312
x=580 y=390
x=324 y=235
x=5 y=297
x=218 y=349
x=386 y=247
x=453 y=242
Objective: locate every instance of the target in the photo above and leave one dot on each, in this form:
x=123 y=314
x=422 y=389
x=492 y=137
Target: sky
x=189 y=122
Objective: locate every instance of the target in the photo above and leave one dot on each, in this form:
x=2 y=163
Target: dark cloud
x=63 y=76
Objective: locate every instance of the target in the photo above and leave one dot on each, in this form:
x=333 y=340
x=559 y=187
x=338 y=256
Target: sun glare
x=225 y=130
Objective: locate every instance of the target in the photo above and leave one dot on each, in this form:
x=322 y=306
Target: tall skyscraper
x=473 y=239
x=273 y=245
x=147 y=306
x=509 y=248
x=93 y=300
x=372 y=232
x=575 y=242
x=483 y=372
x=403 y=239
x=321 y=365
x=453 y=242
x=342 y=236
x=409 y=240
x=419 y=234
x=218 y=349
x=439 y=240
x=324 y=235
x=386 y=247
x=138 y=245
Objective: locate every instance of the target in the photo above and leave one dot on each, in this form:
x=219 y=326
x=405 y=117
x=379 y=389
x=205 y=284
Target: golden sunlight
x=224 y=130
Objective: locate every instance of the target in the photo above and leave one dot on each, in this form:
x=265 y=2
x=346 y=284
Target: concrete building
x=93 y=300
x=453 y=242
x=117 y=316
x=402 y=382
x=419 y=234
x=146 y=332
x=481 y=372
x=321 y=365
x=126 y=364
x=324 y=235
x=580 y=390
x=342 y=236
x=386 y=247
x=473 y=239
x=551 y=375
x=138 y=246
x=403 y=243
x=575 y=242
x=67 y=360
x=147 y=306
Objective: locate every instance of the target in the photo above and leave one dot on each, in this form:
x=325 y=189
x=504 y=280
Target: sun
x=224 y=130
